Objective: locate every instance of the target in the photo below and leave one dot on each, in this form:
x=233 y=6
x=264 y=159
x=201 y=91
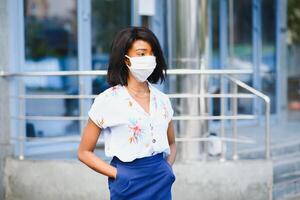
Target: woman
x=135 y=119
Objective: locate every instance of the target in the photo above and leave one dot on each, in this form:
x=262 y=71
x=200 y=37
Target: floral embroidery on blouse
x=123 y=120
x=164 y=109
x=136 y=130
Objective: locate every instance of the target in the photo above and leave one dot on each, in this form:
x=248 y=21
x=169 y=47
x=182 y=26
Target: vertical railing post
x=203 y=106
x=267 y=113
x=234 y=121
x=222 y=125
x=267 y=128
x=21 y=120
x=81 y=105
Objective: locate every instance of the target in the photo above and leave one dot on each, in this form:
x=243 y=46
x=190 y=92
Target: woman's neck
x=136 y=85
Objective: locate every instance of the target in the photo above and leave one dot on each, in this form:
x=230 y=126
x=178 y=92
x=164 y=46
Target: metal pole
x=222 y=125
x=234 y=121
x=257 y=52
x=81 y=105
x=267 y=113
x=21 y=123
x=267 y=129
x=190 y=34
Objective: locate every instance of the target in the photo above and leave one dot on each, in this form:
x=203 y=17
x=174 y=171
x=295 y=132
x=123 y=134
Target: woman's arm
x=86 y=148
x=171 y=140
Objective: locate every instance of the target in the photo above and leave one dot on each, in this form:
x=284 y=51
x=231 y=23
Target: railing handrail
x=250 y=89
x=77 y=138
x=267 y=111
x=222 y=95
x=104 y=72
x=174 y=95
x=181 y=117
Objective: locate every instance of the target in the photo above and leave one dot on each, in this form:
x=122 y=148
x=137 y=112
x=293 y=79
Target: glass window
x=242 y=41
x=293 y=60
x=268 y=65
x=108 y=17
x=51 y=45
x=214 y=81
x=238 y=47
x=240 y=51
x=215 y=6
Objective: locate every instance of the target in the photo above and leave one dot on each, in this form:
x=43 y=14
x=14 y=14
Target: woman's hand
x=115 y=173
x=172 y=144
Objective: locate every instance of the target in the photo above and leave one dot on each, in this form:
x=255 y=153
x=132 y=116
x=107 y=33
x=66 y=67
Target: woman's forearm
x=172 y=156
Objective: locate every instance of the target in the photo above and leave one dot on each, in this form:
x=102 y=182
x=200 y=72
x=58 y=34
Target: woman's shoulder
x=109 y=93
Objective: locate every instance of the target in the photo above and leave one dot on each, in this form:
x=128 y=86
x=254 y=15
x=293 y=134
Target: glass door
x=108 y=17
x=50 y=44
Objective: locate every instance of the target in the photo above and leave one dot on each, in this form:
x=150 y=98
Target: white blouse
x=129 y=131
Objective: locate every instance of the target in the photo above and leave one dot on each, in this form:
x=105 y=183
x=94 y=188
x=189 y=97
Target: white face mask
x=142 y=66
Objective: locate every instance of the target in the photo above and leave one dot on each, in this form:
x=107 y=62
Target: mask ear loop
x=129 y=60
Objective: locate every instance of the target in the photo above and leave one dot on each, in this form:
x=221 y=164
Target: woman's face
x=139 y=48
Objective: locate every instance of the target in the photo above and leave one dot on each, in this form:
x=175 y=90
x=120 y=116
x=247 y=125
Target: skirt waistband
x=140 y=161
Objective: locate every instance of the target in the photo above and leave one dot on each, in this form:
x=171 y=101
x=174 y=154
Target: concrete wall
x=5 y=147
x=35 y=180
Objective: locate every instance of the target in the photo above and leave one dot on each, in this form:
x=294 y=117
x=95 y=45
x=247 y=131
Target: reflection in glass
x=108 y=17
x=268 y=66
x=51 y=45
x=240 y=49
x=293 y=60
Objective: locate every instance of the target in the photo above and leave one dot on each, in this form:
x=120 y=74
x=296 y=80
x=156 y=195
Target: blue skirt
x=145 y=178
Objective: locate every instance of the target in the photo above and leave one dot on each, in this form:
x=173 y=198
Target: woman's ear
x=127 y=61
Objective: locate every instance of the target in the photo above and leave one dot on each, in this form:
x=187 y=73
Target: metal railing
x=267 y=101
x=222 y=73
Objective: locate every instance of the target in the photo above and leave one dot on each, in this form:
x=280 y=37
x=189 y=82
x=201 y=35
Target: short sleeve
x=99 y=111
x=170 y=109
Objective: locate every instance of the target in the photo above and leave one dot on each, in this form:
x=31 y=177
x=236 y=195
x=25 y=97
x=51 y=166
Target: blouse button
x=154 y=140
x=151 y=127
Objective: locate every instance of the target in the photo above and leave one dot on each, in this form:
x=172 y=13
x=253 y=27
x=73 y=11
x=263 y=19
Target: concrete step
x=284 y=148
x=286 y=167
x=287 y=189
x=292 y=197
x=286 y=176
